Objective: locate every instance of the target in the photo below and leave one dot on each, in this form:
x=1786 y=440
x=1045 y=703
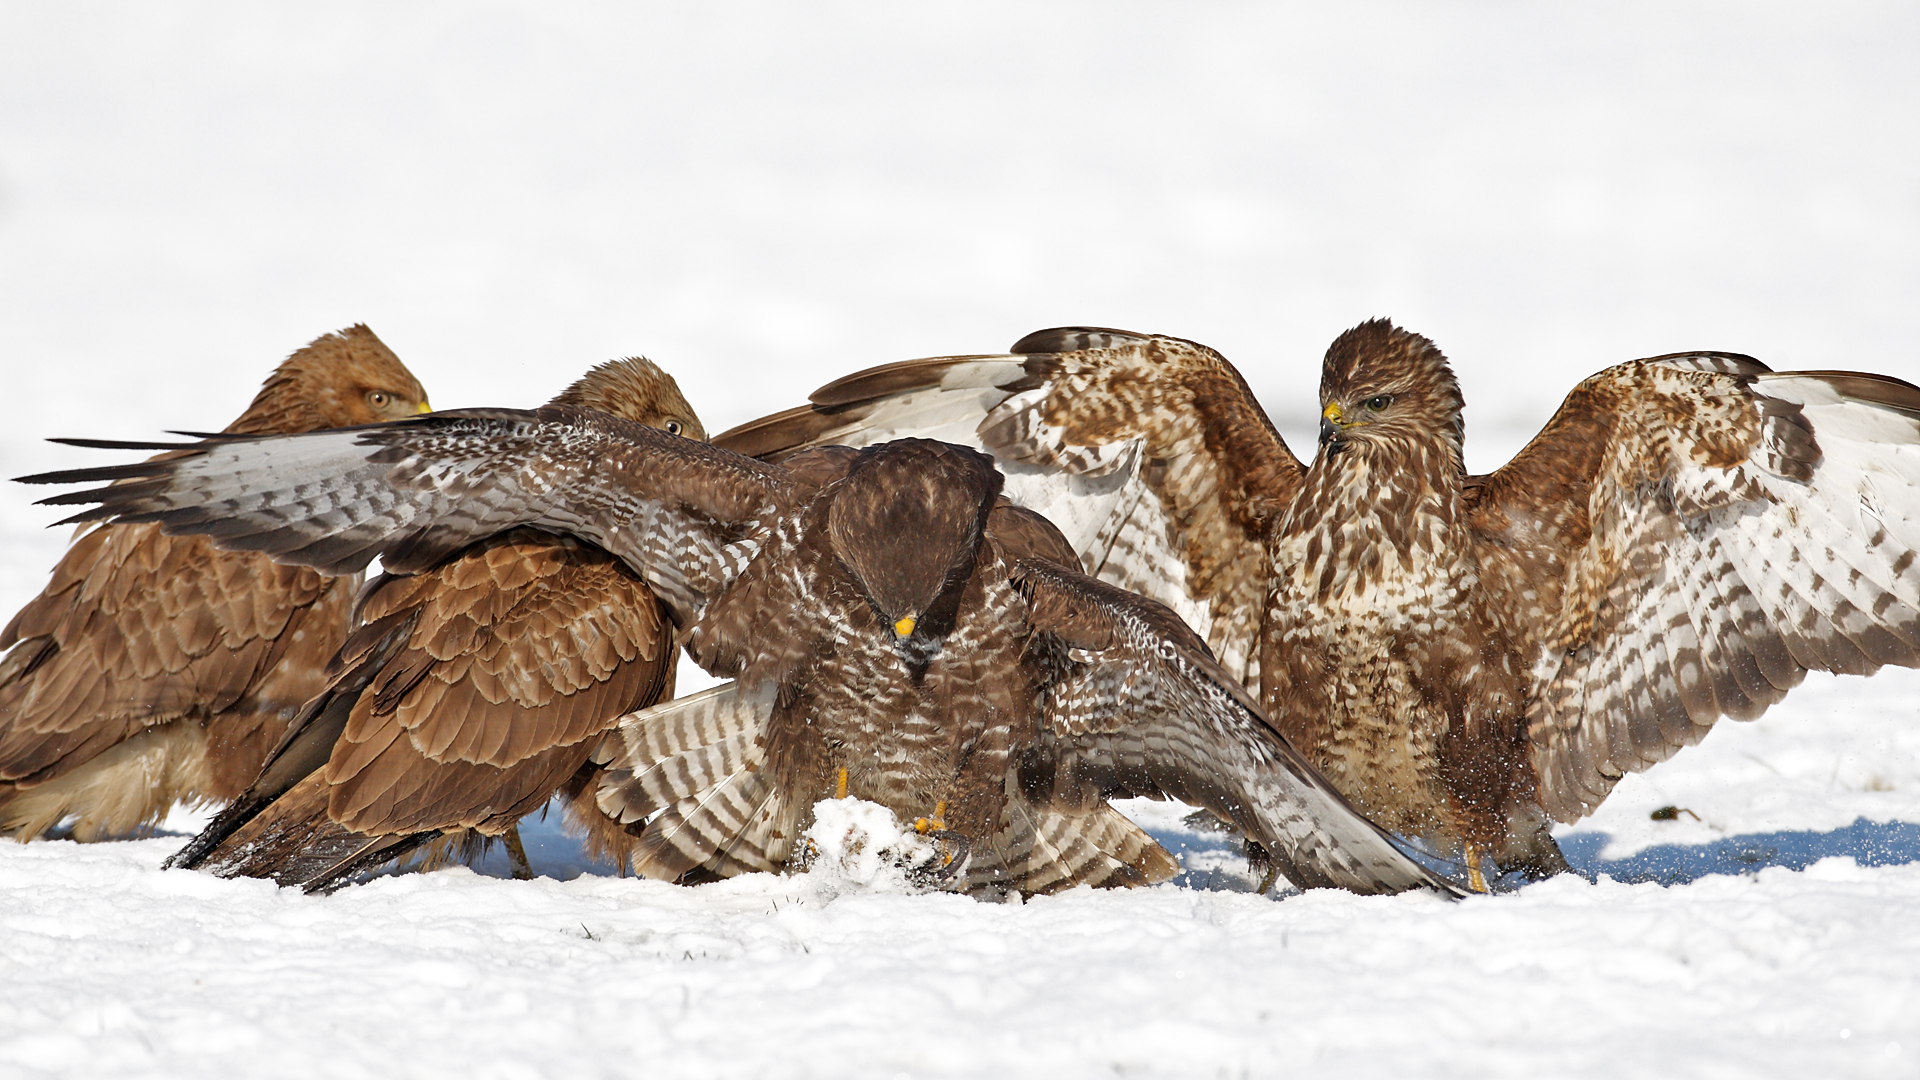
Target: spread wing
x=1149 y=452
x=474 y=692
x=1687 y=538
x=682 y=514
x=136 y=629
x=1139 y=708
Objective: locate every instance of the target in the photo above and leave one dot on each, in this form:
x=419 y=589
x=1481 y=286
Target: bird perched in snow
x=154 y=669
x=475 y=689
x=1467 y=658
x=895 y=633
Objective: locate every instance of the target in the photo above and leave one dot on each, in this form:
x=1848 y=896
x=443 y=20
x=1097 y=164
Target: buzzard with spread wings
x=1467 y=658
x=894 y=630
x=153 y=669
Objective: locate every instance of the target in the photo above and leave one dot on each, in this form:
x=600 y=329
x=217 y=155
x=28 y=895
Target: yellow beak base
x=904 y=626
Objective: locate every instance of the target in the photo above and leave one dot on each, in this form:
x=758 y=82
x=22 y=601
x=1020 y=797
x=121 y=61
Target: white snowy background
x=764 y=196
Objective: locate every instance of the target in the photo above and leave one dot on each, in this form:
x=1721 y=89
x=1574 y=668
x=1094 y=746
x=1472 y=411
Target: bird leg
x=1476 y=880
x=517 y=861
x=840 y=784
x=1267 y=882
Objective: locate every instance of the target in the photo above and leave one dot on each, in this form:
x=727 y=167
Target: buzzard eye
x=378 y=399
x=1379 y=402
x=673 y=427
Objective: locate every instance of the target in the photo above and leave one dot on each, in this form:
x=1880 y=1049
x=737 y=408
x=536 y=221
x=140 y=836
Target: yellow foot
x=1476 y=880
x=840 y=785
x=936 y=823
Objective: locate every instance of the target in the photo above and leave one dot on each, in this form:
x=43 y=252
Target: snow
x=762 y=197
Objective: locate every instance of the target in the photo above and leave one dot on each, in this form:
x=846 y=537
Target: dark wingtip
x=773 y=437
x=888 y=380
x=100 y=474
x=94 y=513
x=1059 y=339
x=1883 y=390
x=124 y=444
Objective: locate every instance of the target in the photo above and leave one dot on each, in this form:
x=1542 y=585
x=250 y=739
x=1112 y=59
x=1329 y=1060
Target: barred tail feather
x=679 y=749
x=1040 y=849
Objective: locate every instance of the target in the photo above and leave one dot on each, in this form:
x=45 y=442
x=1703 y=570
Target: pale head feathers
x=635 y=389
x=342 y=379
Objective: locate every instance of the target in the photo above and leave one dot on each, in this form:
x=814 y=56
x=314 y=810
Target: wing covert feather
x=522 y=652
x=137 y=628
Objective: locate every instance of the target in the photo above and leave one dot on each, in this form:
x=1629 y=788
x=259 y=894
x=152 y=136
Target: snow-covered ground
x=762 y=197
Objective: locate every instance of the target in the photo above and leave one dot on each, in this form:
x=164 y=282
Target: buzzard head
x=1382 y=385
x=340 y=380
x=635 y=389
x=906 y=523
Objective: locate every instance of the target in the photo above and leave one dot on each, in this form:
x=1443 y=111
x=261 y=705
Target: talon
x=954 y=850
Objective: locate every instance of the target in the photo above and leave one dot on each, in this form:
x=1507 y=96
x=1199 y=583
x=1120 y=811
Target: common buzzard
x=894 y=634
x=474 y=690
x=1466 y=657
x=153 y=669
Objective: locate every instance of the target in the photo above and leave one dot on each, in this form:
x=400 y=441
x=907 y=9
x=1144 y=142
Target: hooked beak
x=1333 y=424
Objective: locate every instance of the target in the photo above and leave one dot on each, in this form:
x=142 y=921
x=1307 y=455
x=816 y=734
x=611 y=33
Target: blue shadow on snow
x=1870 y=843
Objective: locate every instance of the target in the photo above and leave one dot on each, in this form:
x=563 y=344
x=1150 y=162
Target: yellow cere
x=904 y=626
x=1332 y=412
x=425 y=408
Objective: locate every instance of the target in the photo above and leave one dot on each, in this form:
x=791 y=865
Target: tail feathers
x=293 y=842
x=1040 y=849
x=680 y=750
x=685 y=776
x=744 y=823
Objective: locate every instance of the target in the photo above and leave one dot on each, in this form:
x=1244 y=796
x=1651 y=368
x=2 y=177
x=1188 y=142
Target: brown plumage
x=894 y=632
x=1468 y=658
x=473 y=691
x=153 y=669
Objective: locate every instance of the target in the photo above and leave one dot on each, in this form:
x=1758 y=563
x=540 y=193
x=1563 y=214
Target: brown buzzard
x=1465 y=657
x=895 y=633
x=154 y=669
x=473 y=691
